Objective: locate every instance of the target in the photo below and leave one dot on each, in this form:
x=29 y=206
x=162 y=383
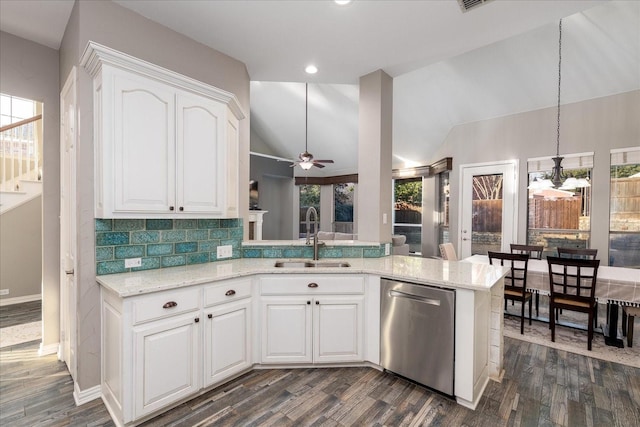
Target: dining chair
x=448 y=252
x=572 y=283
x=534 y=251
x=577 y=253
x=515 y=283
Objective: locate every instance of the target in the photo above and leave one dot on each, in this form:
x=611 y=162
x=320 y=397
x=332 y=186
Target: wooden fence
x=562 y=214
x=625 y=195
x=487 y=215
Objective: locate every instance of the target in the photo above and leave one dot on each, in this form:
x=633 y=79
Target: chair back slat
x=573 y=279
x=517 y=277
x=576 y=253
x=534 y=251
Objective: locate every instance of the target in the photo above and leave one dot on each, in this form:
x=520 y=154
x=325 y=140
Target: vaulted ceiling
x=449 y=67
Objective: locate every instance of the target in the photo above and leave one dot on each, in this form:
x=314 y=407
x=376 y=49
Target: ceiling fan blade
x=323 y=161
x=318 y=165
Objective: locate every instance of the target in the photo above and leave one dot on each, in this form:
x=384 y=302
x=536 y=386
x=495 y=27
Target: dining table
x=615 y=287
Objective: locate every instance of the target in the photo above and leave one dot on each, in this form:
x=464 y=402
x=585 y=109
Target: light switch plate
x=387 y=249
x=224 y=251
x=132 y=262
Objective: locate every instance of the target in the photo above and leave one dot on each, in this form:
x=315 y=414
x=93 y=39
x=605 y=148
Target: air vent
x=467 y=5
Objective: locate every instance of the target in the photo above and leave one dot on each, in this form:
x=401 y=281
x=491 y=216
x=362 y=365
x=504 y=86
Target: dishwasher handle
x=399 y=294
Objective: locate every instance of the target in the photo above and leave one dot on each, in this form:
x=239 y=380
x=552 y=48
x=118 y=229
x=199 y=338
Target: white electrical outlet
x=132 y=262
x=224 y=251
x=387 y=249
x=4 y=291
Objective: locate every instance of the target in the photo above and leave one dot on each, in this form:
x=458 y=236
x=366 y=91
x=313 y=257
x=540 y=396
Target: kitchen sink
x=307 y=264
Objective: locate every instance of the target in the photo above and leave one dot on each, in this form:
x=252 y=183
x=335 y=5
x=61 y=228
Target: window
x=624 y=208
x=443 y=208
x=309 y=197
x=560 y=217
x=407 y=211
x=343 y=200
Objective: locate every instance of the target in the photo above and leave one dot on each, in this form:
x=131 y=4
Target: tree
x=487 y=187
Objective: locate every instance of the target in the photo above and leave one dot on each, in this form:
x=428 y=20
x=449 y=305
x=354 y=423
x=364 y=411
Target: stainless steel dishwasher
x=417 y=333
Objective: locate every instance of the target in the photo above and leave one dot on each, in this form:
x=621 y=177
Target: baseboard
x=18 y=300
x=48 y=349
x=84 y=396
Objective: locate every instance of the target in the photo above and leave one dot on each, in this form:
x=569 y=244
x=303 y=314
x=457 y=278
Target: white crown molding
x=95 y=55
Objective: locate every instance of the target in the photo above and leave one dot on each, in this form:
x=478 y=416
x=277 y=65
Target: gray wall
x=596 y=125
x=275 y=194
x=30 y=70
x=116 y=27
x=21 y=250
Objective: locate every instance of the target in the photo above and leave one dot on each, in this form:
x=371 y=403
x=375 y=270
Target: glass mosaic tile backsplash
x=162 y=242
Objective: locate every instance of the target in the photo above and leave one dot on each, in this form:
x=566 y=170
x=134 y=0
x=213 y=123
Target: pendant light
x=557 y=160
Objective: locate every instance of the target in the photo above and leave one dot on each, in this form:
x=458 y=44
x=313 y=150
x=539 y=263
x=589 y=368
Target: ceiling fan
x=305 y=159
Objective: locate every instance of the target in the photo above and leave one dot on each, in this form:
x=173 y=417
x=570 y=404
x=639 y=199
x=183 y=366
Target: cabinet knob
x=210 y=316
x=181 y=208
x=230 y=292
x=170 y=304
x=312 y=285
x=308 y=302
x=197 y=319
x=171 y=208
x=317 y=302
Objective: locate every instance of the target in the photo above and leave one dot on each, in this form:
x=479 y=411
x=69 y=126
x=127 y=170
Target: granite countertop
x=452 y=274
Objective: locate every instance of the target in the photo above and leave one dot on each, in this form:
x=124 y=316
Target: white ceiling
x=449 y=67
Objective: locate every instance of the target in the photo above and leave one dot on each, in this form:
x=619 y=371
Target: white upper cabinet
x=166 y=146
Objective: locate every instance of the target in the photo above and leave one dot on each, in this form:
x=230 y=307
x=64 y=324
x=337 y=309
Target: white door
x=338 y=329
x=68 y=138
x=227 y=341
x=488 y=207
x=286 y=329
x=201 y=154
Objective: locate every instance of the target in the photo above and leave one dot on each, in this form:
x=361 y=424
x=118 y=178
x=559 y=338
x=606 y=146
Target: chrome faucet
x=313 y=211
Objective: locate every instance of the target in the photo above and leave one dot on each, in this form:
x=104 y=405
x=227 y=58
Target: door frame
x=68 y=243
x=509 y=170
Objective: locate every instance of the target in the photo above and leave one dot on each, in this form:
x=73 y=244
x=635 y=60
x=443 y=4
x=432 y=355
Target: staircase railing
x=20 y=153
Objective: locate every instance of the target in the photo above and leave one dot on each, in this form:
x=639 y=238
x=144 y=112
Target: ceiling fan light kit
x=306 y=160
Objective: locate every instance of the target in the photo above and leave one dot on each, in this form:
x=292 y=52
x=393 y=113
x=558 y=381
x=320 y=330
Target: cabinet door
x=286 y=329
x=338 y=329
x=201 y=151
x=227 y=341
x=166 y=355
x=144 y=144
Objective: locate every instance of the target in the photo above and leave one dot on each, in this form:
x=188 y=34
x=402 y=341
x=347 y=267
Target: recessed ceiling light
x=342 y=2
x=311 y=69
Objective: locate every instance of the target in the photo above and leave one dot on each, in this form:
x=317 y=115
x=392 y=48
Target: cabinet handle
x=308 y=302
x=171 y=208
x=210 y=316
x=181 y=208
x=312 y=285
x=170 y=304
x=230 y=292
x=197 y=319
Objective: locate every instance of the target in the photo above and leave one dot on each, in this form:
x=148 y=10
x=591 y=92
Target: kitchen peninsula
x=171 y=334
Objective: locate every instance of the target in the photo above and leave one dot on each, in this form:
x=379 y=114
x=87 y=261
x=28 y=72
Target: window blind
x=625 y=156
x=570 y=161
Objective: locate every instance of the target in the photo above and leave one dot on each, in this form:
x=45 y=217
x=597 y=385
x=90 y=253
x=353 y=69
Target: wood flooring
x=542 y=386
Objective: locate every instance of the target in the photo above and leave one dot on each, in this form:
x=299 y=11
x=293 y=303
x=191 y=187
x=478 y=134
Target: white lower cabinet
x=323 y=324
x=166 y=356
x=160 y=348
x=227 y=341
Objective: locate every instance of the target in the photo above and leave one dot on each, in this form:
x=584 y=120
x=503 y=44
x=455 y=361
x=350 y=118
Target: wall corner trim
x=84 y=396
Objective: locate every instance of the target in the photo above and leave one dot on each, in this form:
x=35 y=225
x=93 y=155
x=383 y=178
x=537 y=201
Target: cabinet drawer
x=163 y=304
x=229 y=290
x=311 y=284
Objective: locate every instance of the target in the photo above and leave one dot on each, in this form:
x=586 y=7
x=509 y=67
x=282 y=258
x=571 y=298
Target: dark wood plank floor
x=542 y=386
x=18 y=314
